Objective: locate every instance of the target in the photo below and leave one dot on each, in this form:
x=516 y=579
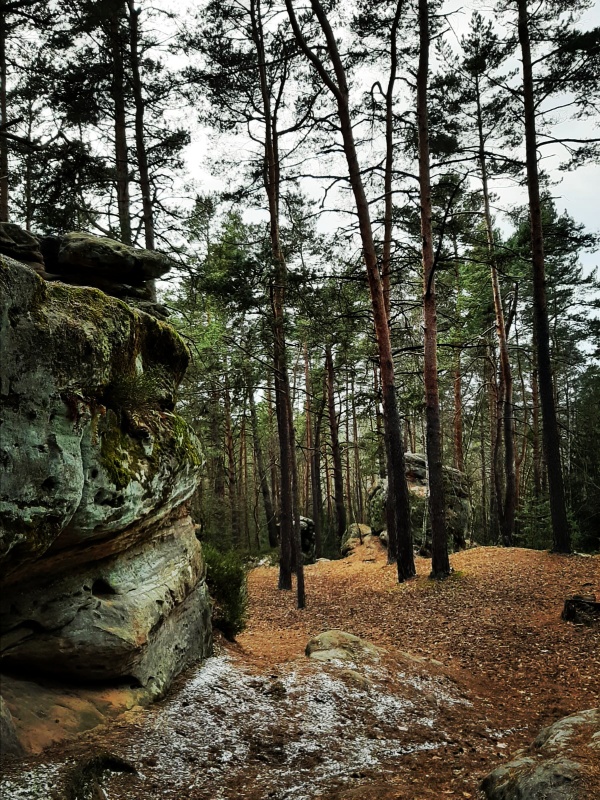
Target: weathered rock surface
x=20 y=245
x=140 y=614
x=337 y=645
x=307 y=539
x=103 y=576
x=89 y=440
x=558 y=766
x=9 y=742
x=81 y=259
x=109 y=258
x=458 y=503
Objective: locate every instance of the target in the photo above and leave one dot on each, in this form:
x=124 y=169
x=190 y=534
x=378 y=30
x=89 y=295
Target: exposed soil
x=470 y=670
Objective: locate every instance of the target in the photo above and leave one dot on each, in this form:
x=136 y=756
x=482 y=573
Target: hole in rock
x=101 y=588
x=94 y=473
x=49 y=484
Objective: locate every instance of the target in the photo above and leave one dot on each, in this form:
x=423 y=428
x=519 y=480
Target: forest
x=371 y=258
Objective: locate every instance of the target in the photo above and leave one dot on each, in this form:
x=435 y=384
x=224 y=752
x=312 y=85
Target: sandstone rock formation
x=103 y=576
x=560 y=765
x=9 y=743
x=81 y=259
x=458 y=504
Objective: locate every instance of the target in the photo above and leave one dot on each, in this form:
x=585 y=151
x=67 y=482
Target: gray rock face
x=88 y=438
x=552 y=769
x=141 y=614
x=81 y=259
x=21 y=245
x=458 y=503
x=9 y=743
x=103 y=577
x=108 y=258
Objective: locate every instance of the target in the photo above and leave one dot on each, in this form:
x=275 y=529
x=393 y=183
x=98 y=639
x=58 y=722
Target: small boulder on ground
x=337 y=645
x=558 y=766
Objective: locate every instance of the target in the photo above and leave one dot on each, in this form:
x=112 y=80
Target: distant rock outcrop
x=458 y=503
x=103 y=576
x=354 y=535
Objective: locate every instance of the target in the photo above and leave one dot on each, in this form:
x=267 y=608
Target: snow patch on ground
x=285 y=736
x=33 y=784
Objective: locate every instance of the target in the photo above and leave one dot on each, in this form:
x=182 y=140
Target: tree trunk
x=140 y=142
x=505 y=406
x=243 y=483
x=379 y=424
x=558 y=510
x=440 y=564
x=289 y=516
x=309 y=433
x=459 y=459
x=338 y=476
x=286 y=515
x=140 y=139
x=262 y=473
x=121 y=156
x=398 y=511
x=231 y=473
x=484 y=498
x=349 y=502
x=272 y=448
x=357 y=470
x=386 y=257
x=315 y=474
x=3 y=120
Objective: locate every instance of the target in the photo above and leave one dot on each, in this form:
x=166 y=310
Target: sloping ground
x=472 y=669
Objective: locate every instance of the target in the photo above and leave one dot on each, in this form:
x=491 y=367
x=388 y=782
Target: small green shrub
x=136 y=393
x=226 y=580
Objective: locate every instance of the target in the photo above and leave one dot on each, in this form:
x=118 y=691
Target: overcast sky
x=577 y=192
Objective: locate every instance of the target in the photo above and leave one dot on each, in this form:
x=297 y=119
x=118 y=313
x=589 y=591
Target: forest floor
x=469 y=671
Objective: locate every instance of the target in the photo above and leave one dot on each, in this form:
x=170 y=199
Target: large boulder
x=457 y=497
x=90 y=443
x=20 y=245
x=103 y=577
x=307 y=540
x=82 y=259
x=560 y=765
x=94 y=256
x=141 y=614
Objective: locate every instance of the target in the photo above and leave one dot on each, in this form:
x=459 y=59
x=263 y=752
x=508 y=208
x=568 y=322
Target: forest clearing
x=470 y=671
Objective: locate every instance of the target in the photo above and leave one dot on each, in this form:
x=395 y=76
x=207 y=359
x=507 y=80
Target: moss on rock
x=88 y=387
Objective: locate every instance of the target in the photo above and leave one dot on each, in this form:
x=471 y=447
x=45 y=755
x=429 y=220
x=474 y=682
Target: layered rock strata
x=81 y=259
x=103 y=576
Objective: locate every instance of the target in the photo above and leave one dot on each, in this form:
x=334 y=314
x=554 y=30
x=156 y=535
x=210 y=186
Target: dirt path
x=471 y=669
